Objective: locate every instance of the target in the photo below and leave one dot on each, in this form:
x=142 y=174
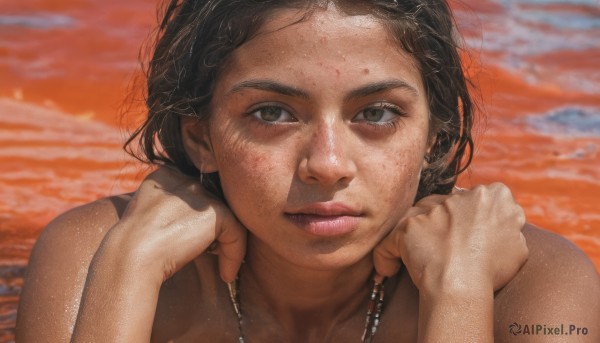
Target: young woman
x=307 y=155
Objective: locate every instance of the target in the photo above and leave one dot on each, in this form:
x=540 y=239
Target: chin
x=284 y=248
x=329 y=256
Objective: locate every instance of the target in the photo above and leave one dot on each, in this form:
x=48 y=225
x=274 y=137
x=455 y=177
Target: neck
x=301 y=298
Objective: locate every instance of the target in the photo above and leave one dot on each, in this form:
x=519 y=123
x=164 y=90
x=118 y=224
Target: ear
x=195 y=137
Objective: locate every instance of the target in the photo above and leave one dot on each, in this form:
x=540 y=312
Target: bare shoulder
x=79 y=231
x=556 y=294
x=58 y=268
x=82 y=226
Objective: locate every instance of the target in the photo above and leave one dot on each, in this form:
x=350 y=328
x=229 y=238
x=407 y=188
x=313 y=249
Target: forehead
x=322 y=44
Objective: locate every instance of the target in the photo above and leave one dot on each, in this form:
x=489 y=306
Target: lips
x=325 y=219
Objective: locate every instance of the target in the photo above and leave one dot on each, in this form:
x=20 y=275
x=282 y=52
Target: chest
x=192 y=311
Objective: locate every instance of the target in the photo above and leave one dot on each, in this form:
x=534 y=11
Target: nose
x=327 y=160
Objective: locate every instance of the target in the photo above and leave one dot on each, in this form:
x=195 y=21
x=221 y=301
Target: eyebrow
x=369 y=89
x=378 y=87
x=271 y=86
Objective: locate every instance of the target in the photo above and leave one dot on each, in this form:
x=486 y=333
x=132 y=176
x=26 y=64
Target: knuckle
x=479 y=189
x=495 y=188
x=498 y=185
x=410 y=223
x=502 y=189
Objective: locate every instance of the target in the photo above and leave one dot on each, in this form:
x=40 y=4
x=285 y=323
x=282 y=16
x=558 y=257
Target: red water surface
x=66 y=68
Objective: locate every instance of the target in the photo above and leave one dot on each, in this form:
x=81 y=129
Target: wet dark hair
x=195 y=38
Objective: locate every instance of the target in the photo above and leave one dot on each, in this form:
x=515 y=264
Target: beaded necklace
x=371 y=321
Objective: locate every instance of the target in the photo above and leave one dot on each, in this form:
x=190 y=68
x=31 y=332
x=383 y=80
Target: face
x=319 y=130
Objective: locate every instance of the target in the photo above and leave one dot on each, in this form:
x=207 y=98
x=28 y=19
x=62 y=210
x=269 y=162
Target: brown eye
x=373 y=114
x=379 y=114
x=272 y=114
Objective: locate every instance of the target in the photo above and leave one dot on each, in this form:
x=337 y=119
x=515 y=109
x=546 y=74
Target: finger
x=456 y=190
x=386 y=255
x=168 y=179
x=430 y=201
x=424 y=206
x=231 y=249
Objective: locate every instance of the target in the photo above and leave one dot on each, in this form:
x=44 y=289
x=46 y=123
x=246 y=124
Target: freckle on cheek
x=366 y=71
x=257 y=162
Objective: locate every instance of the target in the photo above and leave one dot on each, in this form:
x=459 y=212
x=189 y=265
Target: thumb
x=231 y=248
x=387 y=257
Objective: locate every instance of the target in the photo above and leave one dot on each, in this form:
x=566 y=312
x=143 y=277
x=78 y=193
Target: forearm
x=456 y=316
x=119 y=299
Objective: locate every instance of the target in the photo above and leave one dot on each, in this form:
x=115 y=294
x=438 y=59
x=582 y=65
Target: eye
x=380 y=113
x=272 y=114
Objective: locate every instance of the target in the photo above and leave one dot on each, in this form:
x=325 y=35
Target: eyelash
x=386 y=125
x=264 y=106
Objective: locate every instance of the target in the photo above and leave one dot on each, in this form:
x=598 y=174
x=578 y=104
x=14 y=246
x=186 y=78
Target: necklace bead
x=374 y=309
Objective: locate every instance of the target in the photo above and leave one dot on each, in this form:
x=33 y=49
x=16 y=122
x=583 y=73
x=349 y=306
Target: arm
x=168 y=223
x=57 y=270
x=458 y=249
x=120 y=294
x=455 y=312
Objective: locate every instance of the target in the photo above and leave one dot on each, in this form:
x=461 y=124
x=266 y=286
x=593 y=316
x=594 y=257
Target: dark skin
x=555 y=270
x=329 y=150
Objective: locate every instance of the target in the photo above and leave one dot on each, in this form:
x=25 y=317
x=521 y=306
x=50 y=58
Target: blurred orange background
x=67 y=69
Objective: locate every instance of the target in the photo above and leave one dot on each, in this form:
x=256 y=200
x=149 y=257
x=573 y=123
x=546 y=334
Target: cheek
x=398 y=176
x=253 y=179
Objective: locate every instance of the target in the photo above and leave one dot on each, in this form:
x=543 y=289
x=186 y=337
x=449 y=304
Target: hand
x=465 y=239
x=171 y=220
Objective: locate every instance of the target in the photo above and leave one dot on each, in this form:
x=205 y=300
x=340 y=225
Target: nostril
x=327 y=170
x=328 y=156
